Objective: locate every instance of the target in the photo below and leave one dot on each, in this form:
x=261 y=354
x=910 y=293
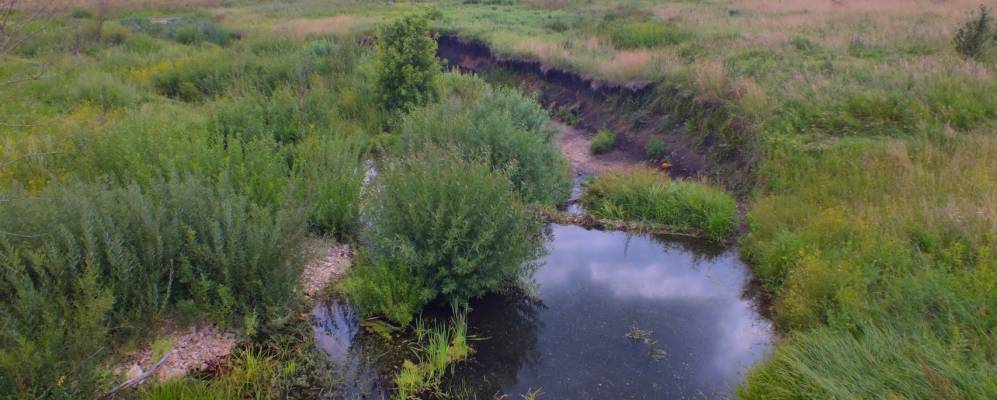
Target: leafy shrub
x=88 y=257
x=655 y=148
x=975 y=35
x=406 y=65
x=104 y=90
x=648 y=195
x=455 y=225
x=511 y=131
x=604 y=141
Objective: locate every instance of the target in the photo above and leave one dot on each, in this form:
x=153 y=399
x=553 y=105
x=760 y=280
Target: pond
x=616 y=316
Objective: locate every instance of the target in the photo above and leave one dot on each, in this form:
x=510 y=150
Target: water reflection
x=595 y=285
x=337 y=333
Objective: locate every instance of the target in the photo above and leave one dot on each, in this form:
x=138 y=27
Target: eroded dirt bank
x=627 y=109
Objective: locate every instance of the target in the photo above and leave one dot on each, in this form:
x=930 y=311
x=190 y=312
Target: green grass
x=871 y=142
x=437 y=350
x=644 y=34
x=146 y=179
x=603 y=142
x=656 y=149
x=648 y=195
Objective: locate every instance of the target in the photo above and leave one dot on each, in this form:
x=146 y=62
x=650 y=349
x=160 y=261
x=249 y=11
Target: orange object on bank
x=665 y=166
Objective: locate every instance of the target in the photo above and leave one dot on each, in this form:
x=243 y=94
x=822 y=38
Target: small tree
x=974 y=35
x=407 y=68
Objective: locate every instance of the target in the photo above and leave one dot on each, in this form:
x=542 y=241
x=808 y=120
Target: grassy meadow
x=157 y=171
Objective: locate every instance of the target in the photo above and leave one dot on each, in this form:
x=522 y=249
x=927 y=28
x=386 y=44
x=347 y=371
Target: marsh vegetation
x=164 y=163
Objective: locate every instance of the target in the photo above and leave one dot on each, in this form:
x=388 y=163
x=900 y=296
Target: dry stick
x=138 y=379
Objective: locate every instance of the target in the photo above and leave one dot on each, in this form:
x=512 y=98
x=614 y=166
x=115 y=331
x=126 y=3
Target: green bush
x=455 y=225
x=604 y=141
x=655 y=149
x=406 y=65
x=82 y=259
x=976 y=35
x=511 y=130
x=648 y=195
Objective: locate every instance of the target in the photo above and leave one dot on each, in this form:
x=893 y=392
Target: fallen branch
x=138 y=379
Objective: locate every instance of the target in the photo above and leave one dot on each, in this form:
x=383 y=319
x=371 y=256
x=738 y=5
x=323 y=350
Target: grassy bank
x=651 y=196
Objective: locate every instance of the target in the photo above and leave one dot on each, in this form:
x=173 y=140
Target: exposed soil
x=627 y=109
x=329 y=264
x=207 y=347
x=574 y=145
x=197 y=348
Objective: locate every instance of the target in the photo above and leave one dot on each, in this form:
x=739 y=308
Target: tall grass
x=253 y=375
x=437 y=350
x=332 y=171
x=648 y=195
x=82 y=259
x=121 y=207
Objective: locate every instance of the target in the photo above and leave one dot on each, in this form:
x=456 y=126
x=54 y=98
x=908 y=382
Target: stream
x=618 y=316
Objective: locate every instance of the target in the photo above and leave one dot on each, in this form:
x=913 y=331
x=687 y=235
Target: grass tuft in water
x=437 y=349
x=647 y=195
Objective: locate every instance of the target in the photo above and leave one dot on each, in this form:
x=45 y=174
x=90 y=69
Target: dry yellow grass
x=627 y=63
x=124 y=5
x=338 y=25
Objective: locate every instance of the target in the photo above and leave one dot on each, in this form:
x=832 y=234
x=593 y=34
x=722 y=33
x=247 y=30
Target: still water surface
x=693 y=331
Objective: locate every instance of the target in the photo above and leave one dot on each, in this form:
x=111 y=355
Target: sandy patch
x=197 y=348
x=328 y=267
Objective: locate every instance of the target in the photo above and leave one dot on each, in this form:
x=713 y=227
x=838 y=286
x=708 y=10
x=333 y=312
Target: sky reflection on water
x=594 y=286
